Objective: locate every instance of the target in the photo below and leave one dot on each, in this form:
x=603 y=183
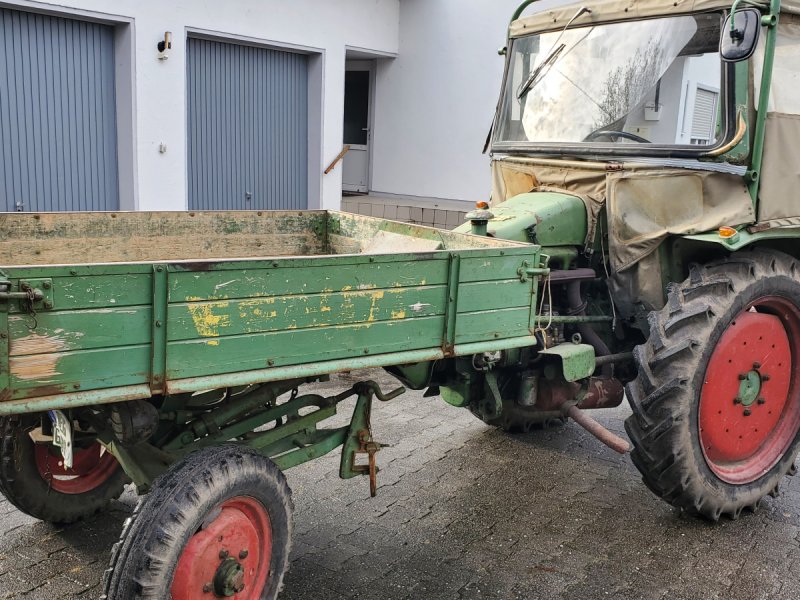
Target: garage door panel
x=58 y=139
x=247 y=127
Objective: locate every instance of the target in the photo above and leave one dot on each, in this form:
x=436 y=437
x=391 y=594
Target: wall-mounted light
x=164 y=45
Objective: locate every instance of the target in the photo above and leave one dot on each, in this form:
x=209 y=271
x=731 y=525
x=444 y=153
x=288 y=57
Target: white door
x=355 y=165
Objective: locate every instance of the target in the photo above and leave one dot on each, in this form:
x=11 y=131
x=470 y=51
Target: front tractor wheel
x=716 y=404
x=216 y=525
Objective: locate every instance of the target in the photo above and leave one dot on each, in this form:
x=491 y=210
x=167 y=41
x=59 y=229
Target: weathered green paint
x=159 y=319
x=476 y=326
x=235 y=317
x=545 y=218
x=364 y=362
x=451 y=301
x=50 y=374
x=228 y=354
x=301 y=277
x=68 y=330
x=577 y=360
x=166 y=323
x=311 y=446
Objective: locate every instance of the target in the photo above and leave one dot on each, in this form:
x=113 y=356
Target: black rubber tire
x=144 y=560
x=24 y=487
x=671 y=369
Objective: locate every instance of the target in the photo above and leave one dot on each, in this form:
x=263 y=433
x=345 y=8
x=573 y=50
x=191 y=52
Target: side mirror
x=740 y=35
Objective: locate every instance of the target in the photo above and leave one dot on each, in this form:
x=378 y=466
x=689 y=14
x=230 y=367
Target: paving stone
x=465 y=512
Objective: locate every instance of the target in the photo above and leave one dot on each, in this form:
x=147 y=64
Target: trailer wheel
x=716 y=404
x=34 y=479
x=217 y=524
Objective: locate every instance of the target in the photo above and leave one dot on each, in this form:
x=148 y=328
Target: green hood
x=545 y=218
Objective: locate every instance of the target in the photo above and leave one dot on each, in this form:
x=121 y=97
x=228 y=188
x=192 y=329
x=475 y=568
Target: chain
x=29 y=307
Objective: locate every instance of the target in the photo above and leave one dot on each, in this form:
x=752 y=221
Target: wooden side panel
x=283 y=279
x=494 y=300
x=230 y=354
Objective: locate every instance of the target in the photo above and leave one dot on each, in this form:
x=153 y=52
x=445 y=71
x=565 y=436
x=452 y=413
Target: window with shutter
x=704 y=116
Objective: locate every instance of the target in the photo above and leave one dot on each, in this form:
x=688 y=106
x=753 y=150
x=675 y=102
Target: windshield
x=644 y=82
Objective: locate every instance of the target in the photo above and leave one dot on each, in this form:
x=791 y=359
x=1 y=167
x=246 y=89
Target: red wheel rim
x=749 y=411
x=91 y=468
x=234 y=548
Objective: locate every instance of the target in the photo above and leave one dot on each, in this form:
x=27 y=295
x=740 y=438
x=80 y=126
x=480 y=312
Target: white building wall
x=436 y=100
x=324 y=27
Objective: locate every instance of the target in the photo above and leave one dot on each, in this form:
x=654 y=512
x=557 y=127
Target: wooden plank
x=489 y=268
x=261 y=350
x=162 y=248
x=62 y=238
x=492 y=324
x=61 y=372
x=110 y=291
x=64 y=331
x=491 y=295
x=187 y=286
x=194 y=320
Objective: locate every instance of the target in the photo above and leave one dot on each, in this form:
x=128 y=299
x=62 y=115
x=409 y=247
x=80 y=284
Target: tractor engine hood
x=544 y=218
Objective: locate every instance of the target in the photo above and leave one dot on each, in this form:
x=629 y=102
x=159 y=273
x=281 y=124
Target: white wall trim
x=368 y=53
x=233 y=38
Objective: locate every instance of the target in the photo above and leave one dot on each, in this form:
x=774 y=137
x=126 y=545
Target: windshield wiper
x=533 y=78
x=555 y=52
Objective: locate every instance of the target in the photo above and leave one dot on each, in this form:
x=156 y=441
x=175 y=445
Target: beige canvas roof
x=617 y=10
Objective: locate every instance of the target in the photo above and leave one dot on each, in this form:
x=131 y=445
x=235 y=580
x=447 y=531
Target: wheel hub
x=229 y=579
x=749 y=388
x=748 y=407
x=229 y=557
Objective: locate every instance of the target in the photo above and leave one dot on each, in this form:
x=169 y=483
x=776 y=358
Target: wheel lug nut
x=207 y=588
x=765 y=377
x=742 y=376
x=746 y=412
x=761 y=401
x=756 y=365
x=243 y=554
x=223 y=554
x=737 y=401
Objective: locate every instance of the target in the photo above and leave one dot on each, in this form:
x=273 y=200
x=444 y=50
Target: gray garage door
x=58 y=138
x=248 y=127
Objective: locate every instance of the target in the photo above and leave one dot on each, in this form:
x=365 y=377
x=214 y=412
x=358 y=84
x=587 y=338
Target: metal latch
x=31 y=292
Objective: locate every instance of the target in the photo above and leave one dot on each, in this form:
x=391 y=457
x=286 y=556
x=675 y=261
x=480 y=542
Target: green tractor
x=651 y=150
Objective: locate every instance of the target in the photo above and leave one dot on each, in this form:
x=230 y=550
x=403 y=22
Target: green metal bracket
x=451 y=310
x=753 y=175
x=143 y=463
x=359 y=435
x=577 y=360
x=158 y=370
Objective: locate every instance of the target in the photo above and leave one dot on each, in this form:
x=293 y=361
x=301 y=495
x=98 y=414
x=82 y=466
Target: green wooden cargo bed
x=104 y=307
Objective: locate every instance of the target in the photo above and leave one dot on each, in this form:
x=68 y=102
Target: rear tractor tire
x=218 y=524
x=716 y=404
x=34 y=479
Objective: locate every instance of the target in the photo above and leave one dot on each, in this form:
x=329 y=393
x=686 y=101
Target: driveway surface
x=466 y=512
